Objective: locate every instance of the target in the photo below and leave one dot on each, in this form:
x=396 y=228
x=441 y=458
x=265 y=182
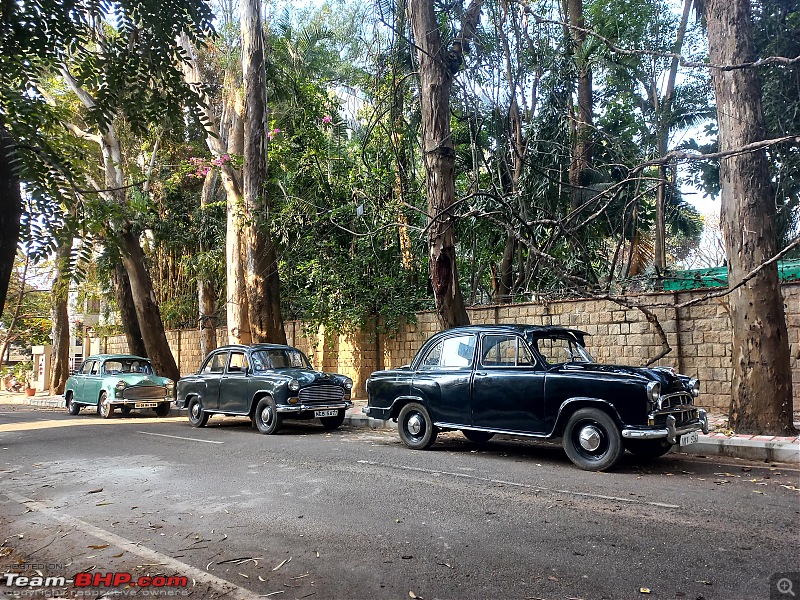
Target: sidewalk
x=718 y=442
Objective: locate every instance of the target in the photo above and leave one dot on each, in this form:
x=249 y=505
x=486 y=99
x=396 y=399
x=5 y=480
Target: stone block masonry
x=699 y=335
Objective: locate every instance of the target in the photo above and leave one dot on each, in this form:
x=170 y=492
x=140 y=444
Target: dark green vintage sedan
x=111 y=381
x=266 y=382
x=538 y=382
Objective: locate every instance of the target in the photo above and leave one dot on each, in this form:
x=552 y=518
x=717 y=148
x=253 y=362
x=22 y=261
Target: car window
x=560 y=350
x=96 y=367
x=505 y=351
x=216 y=363
x=237 y=362
x=451 y=352
x=86 y=368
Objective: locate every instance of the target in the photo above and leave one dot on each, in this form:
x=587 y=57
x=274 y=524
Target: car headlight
x=348 y=384
x=294 y=385
x=121 y=385
x=170 y=384
x=653 y=391
x=694 y=387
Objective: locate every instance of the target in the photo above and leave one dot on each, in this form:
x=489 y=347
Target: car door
x=211 y=375
x=508 y=386
x=79 y=380
x=233 y=388
x=92 y=383
x=443 y=378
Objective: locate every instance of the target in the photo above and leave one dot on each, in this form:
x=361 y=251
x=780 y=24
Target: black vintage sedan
x=538 y=382
x=266 y=382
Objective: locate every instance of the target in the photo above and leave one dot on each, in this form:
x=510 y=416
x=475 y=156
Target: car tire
x=268 y=420
x=125 y=409
x=104 y=408
x=331 y=423
x=415 y=427
x=477 y=437
x=648 y=449
x=162 y=410
x=197 y=416
x=72 y=407
x=592 y=440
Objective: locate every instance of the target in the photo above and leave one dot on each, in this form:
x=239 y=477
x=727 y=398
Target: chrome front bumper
x=297 y=408
x=670 y=432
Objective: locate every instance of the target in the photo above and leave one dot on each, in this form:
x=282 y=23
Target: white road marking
x=152 y=556
x=177 y=437
x=521 y=485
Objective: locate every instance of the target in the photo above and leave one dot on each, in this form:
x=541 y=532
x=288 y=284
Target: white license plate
x=145 y=405
x=689 y=438
x=326 y=413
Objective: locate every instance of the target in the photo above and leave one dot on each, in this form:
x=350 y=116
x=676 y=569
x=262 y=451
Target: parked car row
x=520 y=380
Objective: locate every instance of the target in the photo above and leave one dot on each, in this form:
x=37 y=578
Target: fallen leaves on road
x=98 y=547
x=282 y=563
x=97 y=491
x=644 y=590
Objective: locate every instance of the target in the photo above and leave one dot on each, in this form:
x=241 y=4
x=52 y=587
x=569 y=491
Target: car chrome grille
x=677 y=399
x=145 y=392
x=320 y=394
x=682 y=417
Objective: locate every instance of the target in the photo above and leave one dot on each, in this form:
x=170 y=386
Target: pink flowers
x=327 y=120
x=218 y=162
x=200 y=167
x=273 y=133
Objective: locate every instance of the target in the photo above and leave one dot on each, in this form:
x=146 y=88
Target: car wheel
x=415 y=426
x=648 y=449
x=197 y=416
x=73 y=408
x=162 y=410
x=268 y=420
x=104 y=408
x=331 y=423
x=477 y=437
x=592 y=440
x=125 y=409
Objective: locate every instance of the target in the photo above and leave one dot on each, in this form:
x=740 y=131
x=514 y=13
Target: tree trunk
x=144 y=300
x=236 y=293
x=206 y=294
x=437 y=69
x=127 y=311
x=663 y=123
x=581 y=163
x=10 y=211
x=59 y=365
x=761 y=394
x=261 y=264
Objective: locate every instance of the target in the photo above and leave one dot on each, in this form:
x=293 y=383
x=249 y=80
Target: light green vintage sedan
x=110 y=381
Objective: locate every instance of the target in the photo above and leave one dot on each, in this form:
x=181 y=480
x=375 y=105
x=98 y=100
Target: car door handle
x=480 y=374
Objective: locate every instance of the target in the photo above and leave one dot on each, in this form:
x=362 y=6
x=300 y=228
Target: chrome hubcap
x=196 y=410
x=415 y=424
x=266 y=415
x=589 y=438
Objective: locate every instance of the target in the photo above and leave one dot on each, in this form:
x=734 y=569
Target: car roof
x=115 y=356
x=521 y=328
x=260 y=346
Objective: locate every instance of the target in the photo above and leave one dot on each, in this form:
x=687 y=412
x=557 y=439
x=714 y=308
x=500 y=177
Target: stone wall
x=699 y=335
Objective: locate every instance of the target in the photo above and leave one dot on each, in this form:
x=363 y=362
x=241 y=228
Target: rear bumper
x=671 y=432
x=377 y=413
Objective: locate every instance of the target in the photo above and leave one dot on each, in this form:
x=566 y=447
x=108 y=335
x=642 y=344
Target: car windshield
x=121 y=366
x=557 y=350
x=280 y=358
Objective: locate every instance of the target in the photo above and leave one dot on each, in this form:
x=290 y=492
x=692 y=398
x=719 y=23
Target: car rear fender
x=568 y=408
x=401 y=401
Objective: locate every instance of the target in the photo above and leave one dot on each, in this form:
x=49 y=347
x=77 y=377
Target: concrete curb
x=759 y=448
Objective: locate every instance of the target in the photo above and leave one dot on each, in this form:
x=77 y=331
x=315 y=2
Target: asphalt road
x=353 y=514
